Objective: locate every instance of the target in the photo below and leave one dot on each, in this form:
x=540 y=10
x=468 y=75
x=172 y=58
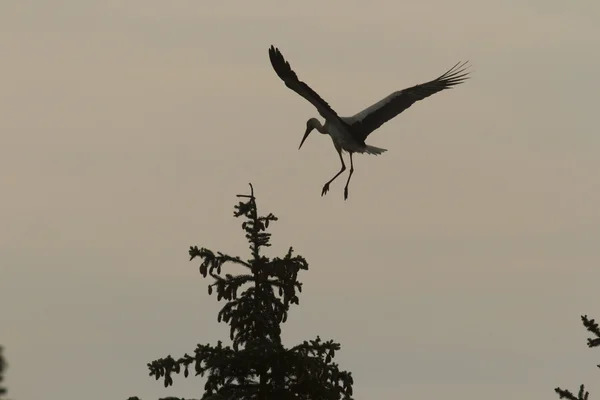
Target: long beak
x=304 y=138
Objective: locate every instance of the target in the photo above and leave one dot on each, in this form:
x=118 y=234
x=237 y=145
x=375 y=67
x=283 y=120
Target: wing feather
x=384 y=110
x=289 y=77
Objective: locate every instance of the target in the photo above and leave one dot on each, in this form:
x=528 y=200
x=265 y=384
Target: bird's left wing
x=379 y=113
x=289 y=77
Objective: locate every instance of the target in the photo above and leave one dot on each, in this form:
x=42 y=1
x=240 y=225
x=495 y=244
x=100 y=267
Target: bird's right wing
x=289 y=77
x=384 y=110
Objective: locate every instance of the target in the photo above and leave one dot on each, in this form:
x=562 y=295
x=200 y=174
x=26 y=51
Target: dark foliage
x=593 y=328
x=257 y=365
x=3 y=366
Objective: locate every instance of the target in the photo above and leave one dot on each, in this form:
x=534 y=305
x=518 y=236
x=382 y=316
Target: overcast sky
x=457 y=269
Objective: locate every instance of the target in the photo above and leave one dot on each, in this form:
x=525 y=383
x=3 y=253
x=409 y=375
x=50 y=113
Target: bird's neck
x=320 y=127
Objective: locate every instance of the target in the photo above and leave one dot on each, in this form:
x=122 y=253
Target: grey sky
x=458 y=267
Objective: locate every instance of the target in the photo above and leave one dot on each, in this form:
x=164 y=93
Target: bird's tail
x=374 y=150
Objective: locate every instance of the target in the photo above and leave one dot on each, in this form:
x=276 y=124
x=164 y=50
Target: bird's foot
x=325 y=189
x=346 y=193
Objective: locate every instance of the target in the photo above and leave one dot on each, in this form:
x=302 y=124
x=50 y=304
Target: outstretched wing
x=289 y=77
x=379 y=113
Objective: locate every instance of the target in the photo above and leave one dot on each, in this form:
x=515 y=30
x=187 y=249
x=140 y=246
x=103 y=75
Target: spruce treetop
x=257 y=303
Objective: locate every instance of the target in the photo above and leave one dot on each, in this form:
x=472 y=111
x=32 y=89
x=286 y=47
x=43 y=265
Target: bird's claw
x=325 y=189
x=345 y=193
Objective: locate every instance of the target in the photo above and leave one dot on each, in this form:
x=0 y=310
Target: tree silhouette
x=3 y=366
x=257 y=365
x=592 y=327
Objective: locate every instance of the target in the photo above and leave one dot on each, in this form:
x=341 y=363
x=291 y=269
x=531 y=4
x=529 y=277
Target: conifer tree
x=593 y=328
x=2 y=368
x=257 y=365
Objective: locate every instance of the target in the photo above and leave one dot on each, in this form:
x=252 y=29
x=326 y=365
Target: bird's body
x=342 y=140
x=349 y=133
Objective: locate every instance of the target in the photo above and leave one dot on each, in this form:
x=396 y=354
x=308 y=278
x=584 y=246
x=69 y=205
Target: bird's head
x=311 y=124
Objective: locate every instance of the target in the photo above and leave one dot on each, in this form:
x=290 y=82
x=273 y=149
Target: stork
x=349 y=133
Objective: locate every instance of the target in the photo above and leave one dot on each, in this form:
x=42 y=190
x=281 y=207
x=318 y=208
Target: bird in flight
x=349 y=133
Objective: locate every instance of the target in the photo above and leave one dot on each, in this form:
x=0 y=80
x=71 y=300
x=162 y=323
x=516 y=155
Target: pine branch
x=593 y=328
x=565 y=394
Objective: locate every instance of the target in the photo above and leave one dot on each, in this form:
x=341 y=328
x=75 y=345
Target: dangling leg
x=349 y=176
x=326 y=187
